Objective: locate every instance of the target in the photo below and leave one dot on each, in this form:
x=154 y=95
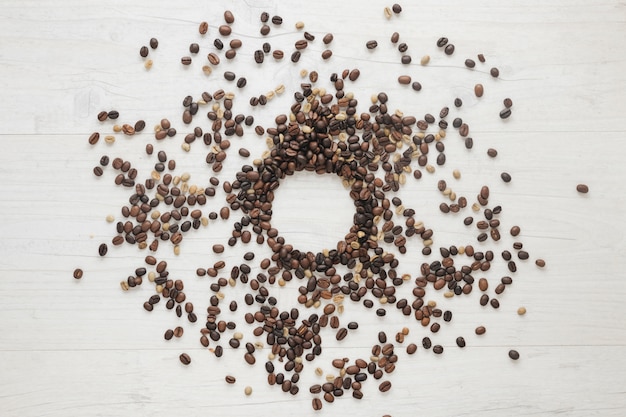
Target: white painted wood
x=85 y=348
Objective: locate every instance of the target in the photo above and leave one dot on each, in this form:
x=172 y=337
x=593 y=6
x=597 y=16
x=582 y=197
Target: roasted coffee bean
x=185 y=359
x=460 y=342
x=406 y=59
x=469 y=63
x=203 y=28
x=317 y=404
x=479 y=90
x=582 y=188
x=295 y=56
x=384 y=386
x=186 y=60
x=441 y=42
x=438 y=349
x=277 y=20
x=449 y=49
x=494 y=72
x=458 y=102
x=224 y=30
x=505 y=113
x=508 y=103
x=404 y=79
x=259 y=56
x=426 y=343
x=103 y=249
x=480 y=330
x=154 y=43
x=78 y=273
x=492 y=152
x=143 y=51
x=506 y=177
x=514 y=354
x=278 y=54
x=265 y=29
x=416 y=86
x=229 y=75
x=371 y=44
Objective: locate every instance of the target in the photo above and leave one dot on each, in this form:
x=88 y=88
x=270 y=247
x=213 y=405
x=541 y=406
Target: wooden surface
x=85 y=348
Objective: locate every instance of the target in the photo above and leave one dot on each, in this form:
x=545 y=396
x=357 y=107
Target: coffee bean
x=278 y=55
x=404 y=79
x=154 y=43
x=449 y=49
x=113 y=114
x=506 y=177
x=186 y=60
x=97 y=171
x=479 y=90
x=406 y=59
x=301 y=44
x=230 y=379
x=140 y=125
x=78 y=273
x=494 y=72
x=203 y=28
x=371 y=44
x=416 y=86
x=217 y=248
x=259 y=56
x=143 y=51
x=426 y=343
x=265 y=17
x=341 y=333
x=438 y=349
x=384 y=386
x=582 y=188
x=103 y=249
x=458 y=102
x=229 y=17
x=505 y=113
x=460 y=342
x=250 y=359
x=277 y=20
x=521 y=311
x=514 y=354
x=354 y=74
x=508 y=103
x=229 y=75
x=224 y=30
x=295 y=56
x=540 y=263
x=326 y=54
x=185 y=359
x=441 y=42
x=194 y=48
x=492 y=152
x=480 y=330
x=469 y=63
x=230 y=54
x=317 y=404
x=411 y=349
x=396 y=8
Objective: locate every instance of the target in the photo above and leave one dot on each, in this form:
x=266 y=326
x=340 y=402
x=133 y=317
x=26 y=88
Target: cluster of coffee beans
x=374 y=151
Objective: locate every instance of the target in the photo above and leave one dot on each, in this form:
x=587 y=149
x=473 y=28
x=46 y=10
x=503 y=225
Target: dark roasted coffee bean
x=384 y=386
x=494 y=72
x=259 y=56
x=416 y=86
x=295 y=56
x=229 y=75
x=186 y=60
x=514 y=354
x=185 y=359
x=371 y=44
x=194 y=48
x=154 y=43
x=113 y=114
x=277 y=20
x=460 y=342
x=469 y=63
x=143 y=51
x=582 y=188
x=492 y=152
x=426 y=343
x=78 y=273
x=396 y=8
x=103 y=249
x=406 y=59
x=458 y=102
x=506 y=177
x=449 y=49
x=505 y=113
x=441 y=42
x=438 y=349
x=508 y=103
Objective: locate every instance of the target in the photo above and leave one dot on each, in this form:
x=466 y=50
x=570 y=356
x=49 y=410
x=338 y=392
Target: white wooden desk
x=85 y=348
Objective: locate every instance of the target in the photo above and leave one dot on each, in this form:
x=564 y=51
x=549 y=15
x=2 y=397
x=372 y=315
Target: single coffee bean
x=194 y=48
x=449 y=49
x=395 y=37
x=492 y=152
x=438 y=349
x=469 y=63
x=185 y=359
x=458 y=102
x=103 y=249
x=514 y=354
x=371 y=44
x=479 y=90
x=540 y=263
x=265 y=17
x=295 y=56
x=326 y=54
x=505 y=113
x=230 y=379
x=78 y=273
x=582 y=188
x=259 y=56
x=508 y=103
x=411 y=349
x=113 y=114
x=416 y=86
x=404 y=79
x=328 y=38
x=480 y=330
x=230 y=54
x=426 y=343
x=460 y=342
x=301 y=44
x=203 y=28
x=229 y=75
x=140 y=125
x=354 y=74
x=186 y=60
x=217 y=248
x=143 y=51
x=224 y=30
x=441 y=42
x=97 y=171
x=317 y=404
x=384 y=386
x=506 y=177
x=494 y=72
x=406 y=59
x=278 y=54
x=154 y=43
x=396 y=8
x=229 y=17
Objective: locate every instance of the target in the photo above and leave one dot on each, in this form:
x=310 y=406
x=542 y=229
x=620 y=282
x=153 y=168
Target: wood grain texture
x=85 y=348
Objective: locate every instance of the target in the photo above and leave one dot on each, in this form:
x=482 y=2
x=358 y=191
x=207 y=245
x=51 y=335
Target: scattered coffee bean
x=505 y=113
x=203 y=28
x=494 y=72
x=78 y=273
x=371 y=44
x=154 y=43
x=582 y=188
x=479 y=90
x=514 y=354
x=508 y=103
x=506 y=177
x=143 y=52
x=185 y=359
